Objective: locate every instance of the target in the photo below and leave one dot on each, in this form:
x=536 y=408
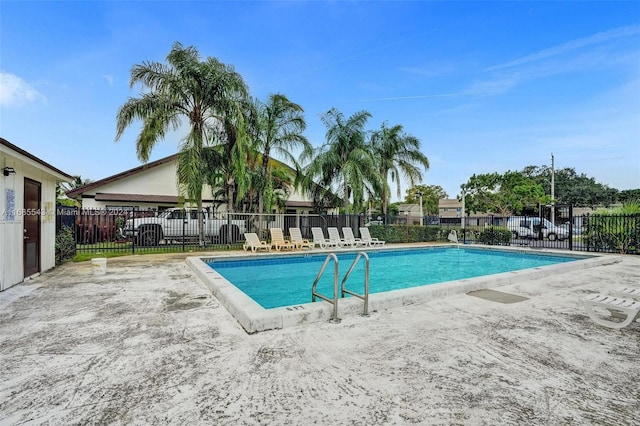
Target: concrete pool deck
x=147 y=343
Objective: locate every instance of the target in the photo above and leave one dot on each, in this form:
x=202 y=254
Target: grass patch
x=85 y=252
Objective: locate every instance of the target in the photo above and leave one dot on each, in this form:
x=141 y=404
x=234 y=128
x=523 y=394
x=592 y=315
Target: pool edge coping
x=254 y=318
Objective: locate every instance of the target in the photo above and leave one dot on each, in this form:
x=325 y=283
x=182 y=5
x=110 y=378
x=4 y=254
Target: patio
x=148 y=344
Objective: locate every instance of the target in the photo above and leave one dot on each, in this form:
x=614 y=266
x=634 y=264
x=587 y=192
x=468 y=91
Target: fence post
x=133 y=236
x=184 y=224
x=570 y=227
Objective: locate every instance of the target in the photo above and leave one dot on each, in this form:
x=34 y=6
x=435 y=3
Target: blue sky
x=486 y=86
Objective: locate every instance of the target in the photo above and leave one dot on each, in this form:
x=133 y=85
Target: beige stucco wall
x=159 y=180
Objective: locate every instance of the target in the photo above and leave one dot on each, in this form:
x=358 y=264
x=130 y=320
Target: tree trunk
x=345 y=202
x=200 y=223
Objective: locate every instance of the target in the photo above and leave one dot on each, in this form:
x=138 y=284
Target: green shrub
x=411 y=233
x=613 y=233
x=65 y=245
x=616 y=229
x=495 y=235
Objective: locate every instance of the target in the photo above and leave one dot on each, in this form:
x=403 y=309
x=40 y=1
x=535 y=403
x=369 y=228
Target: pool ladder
x=343 y=289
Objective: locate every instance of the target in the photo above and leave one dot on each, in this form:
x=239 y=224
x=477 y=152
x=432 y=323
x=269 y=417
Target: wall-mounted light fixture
x=8 y=171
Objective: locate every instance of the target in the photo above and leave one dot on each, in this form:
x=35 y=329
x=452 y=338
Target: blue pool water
x=286 y=280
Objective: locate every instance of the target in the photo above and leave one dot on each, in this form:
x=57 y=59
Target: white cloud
x=572 y=46
x=109 y=79
x=14 y=91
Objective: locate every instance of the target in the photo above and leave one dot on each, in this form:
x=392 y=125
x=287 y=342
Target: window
x=177 y=214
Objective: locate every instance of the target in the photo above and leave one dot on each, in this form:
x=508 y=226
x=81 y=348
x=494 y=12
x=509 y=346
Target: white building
x=154 y=186
x=27 y=214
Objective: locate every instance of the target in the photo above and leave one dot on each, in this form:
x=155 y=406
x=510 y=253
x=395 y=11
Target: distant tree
x=77 y=182
x=397 y=154
x=506 y=194
x=572 y=188
x=629 y=196
x=63 y=187
x=431 y=196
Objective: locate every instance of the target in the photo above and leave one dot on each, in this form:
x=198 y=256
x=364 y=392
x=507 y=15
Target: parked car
x=530 y=227
x=374 y=222
x=177 y=223
x=576 y=230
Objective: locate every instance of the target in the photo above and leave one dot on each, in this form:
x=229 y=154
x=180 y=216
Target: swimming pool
x=286 y=280
x=254 y=318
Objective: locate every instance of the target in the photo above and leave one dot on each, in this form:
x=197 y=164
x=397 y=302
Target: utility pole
x=419 y=193
x=553 y=191
x=462 y=218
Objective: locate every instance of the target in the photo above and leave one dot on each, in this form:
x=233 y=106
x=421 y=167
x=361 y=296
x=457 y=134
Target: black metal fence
x=181 y=230
x=589 y=233
x=100 y=231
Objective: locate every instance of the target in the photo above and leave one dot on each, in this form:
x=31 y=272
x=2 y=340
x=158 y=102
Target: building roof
x=414 y=208
x=449 y=202
x=63 y=175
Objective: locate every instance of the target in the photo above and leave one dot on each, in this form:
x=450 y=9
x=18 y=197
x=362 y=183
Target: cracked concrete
x=148 y=344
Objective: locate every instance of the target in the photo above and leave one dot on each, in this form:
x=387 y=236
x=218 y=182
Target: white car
x=530 y=227
x=374 y=222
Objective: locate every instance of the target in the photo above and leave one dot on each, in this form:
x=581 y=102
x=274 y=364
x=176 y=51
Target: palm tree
x=397 y=154
x=207 y=94
x=76 y=183
x=280 y=124
x=226 y=160
x=343 y=161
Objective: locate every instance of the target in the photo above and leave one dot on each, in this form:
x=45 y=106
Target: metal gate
x=553 y=228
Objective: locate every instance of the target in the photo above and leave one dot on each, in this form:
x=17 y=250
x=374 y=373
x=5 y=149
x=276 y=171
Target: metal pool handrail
x=334 y=301
x=365 y=296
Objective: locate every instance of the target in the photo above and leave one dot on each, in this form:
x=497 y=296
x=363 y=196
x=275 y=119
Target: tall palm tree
x=226 y=160
x=397 y=154
x=280 y=124
x=206 y=94
x=343 y=162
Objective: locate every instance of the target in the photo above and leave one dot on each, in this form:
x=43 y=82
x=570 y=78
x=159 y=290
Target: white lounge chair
x=278 y=241
x=320 y=240
x=623 y=310
x=253 y=243
x=627 y=293
x=365 y=236
x=350 y=239
x=334 y=237
x=297 y=240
